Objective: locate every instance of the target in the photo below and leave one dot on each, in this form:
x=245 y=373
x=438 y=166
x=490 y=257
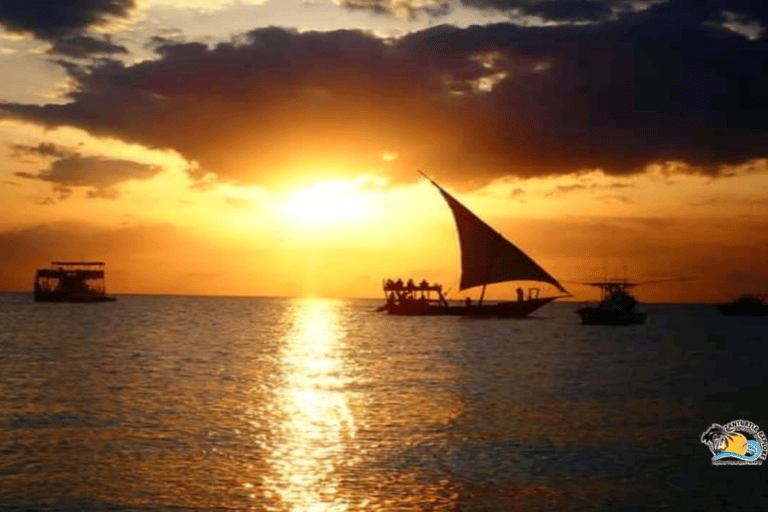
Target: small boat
x=486 y=258
x=71 y=281
x=746 y=305
x=617 y=306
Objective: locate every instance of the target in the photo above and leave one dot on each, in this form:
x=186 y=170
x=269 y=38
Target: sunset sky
x=271 y=147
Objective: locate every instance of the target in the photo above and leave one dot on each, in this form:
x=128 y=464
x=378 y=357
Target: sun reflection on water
x=313 y=425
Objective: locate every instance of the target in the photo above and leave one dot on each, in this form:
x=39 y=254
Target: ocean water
x=156 y=403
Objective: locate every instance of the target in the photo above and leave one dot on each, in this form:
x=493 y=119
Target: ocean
x=182 y=403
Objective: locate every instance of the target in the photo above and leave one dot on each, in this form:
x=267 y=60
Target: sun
x=330 y=202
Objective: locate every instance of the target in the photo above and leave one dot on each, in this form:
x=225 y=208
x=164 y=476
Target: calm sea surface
x=156 y=403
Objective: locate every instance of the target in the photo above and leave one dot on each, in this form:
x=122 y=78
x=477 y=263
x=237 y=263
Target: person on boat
x=424 y=284
x=399 y=284
x=468 y=301
x=520 y=295
x=410 y=284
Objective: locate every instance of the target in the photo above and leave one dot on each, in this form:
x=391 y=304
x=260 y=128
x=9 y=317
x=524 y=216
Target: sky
x=271 y=147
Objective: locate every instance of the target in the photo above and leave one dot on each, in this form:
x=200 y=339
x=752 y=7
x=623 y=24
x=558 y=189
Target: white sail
x=486 y=256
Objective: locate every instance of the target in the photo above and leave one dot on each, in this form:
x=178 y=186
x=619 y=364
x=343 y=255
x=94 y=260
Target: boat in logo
x=730 y=446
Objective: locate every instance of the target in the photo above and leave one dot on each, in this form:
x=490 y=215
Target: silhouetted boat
x=616 y=307
x=746 y=305
x=71 y=281
x=486 y=258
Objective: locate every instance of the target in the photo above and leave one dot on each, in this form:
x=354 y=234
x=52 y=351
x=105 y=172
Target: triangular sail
x=486 y=256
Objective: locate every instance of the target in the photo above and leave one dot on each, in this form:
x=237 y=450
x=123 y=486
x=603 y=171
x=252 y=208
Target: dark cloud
x=51 y=19
x=81 y=47
x=71 y=169
x=564 y=189
x=661 y=85
x=403 y=9
x=558 y=10
x=44 y=149
x=551 y=10
x=566 y=11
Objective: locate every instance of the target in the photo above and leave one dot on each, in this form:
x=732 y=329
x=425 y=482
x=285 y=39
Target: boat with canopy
x=71 y=281
x=487 y=257
x=616 y=306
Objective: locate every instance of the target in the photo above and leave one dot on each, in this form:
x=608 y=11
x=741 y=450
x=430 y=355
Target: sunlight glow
x=326 y=202
x=314 y=426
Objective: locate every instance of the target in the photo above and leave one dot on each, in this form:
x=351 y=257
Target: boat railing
x=399 y=292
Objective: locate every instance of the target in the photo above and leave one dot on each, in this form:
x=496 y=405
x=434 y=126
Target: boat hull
x=602 y=316
x=518 y=309
x=72 y=297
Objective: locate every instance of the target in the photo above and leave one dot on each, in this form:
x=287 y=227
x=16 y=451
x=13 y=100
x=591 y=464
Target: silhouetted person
x=410 y=285
x=468 y=301
x=520 y=295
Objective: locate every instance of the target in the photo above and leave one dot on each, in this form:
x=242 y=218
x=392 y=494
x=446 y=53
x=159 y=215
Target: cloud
x=564 y=189
x=552 y=10
x=743 y=15
x=238 y=203
x=479 y=103
x=81 y=47
x=51 y=19
x=44 y=149
x=71 y=169
x=405 y=9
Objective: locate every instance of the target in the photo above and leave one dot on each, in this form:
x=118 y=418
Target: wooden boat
x=486 y=258
x=71 y=281
x=746 y=305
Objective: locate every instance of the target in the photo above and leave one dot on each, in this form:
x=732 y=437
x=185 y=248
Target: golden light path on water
x=314 y=426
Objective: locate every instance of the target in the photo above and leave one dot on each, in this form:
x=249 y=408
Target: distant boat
x=486 y=258
x=616 y=307
x=71 y=281
x=746 y=305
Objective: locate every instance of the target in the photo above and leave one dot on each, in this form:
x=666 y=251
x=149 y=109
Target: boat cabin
x=71 y=281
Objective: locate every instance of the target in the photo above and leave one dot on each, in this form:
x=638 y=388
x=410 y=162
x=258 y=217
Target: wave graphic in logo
x=730 y=446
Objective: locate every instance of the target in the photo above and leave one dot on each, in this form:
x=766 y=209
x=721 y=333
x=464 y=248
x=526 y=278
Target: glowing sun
x=326 y=202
